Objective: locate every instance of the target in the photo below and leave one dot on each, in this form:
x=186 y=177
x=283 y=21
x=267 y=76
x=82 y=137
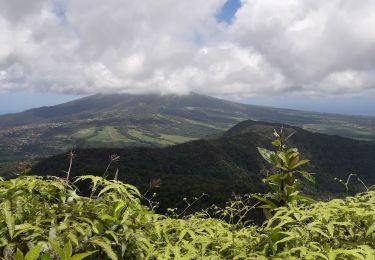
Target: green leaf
x=267 y=155
x=18 y=255
x=34 y=253
x=113 y=235
x=290 y=190
x=370 y=230
x=45 y=257
x=106 y=248
x=320 y=255
x=331 y=229
x=267 y=201
x=285 y=239
x=107 y=217
x=300 y=163
x=82 y=255
x=354 y=253
x=318 y=230
x=97 y=227
x=301 y=197
x=307 y=176
x=276 y=177
x=292 y=152
x=73 y=238
x=68 y=250
x=276 y=142
x=182 y=234
x=9 y=219
x=283 y=157
x=279 y=166
x=56 y=247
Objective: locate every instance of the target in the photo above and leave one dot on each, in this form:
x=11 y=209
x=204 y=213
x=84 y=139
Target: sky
x=312 y=55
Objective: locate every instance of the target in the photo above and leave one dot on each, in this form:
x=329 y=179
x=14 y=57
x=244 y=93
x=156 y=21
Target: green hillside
x=224 y=165
x=76 y=216
x=149 y=120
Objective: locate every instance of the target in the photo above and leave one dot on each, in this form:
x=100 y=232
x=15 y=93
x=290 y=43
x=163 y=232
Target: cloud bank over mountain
x=312 y=47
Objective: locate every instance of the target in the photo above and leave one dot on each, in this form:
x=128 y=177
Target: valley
x=157 y=163
x=122 y=121
x=223 y=165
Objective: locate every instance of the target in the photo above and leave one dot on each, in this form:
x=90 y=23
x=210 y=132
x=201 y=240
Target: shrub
x=45 y=219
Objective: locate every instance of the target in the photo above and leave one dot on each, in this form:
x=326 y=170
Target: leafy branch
x=283 y=176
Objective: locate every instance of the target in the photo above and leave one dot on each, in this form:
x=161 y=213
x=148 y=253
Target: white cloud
x=310 y=47
x=312 y=42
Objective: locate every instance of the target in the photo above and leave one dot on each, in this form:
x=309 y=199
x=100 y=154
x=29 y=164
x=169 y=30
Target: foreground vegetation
x=45 y=218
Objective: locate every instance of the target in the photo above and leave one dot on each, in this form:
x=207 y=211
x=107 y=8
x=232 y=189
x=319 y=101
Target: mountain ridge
x=221 y=166
x=119 y=98
x=149 y=120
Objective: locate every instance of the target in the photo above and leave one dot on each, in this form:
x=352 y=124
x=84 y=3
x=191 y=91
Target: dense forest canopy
x=223 y=165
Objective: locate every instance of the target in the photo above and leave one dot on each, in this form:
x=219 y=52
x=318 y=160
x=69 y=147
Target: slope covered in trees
x=119 y=121
x=221 y=166
x=44 y=218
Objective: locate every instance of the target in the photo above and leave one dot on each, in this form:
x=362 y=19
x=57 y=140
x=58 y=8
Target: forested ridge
x=221 y=166
x=45 y=218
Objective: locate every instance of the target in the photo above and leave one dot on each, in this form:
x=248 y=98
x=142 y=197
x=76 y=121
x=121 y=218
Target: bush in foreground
x=44 y=218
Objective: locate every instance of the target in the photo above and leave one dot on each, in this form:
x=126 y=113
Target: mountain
x=149 y=120
x=224 y=165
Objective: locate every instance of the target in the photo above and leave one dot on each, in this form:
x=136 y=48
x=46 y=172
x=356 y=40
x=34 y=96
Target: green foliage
x=32 y=254
x=219 y=167
x=282 y=180
x=48 y=212
x=44 y=218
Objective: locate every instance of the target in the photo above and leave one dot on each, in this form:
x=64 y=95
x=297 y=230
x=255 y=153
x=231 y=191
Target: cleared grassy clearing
x=109 y=134
x=84 y=133
x=143 y=137
x=176 y=138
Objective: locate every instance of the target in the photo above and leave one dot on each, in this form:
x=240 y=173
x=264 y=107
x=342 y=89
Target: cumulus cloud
x=311 y=47
x=318 y=45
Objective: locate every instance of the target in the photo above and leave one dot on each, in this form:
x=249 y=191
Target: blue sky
x=21 y=100
x=299 y=57
x=350 y=105
x=227 y=12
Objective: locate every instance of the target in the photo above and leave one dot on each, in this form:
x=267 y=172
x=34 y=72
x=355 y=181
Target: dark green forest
x=46 y=218
x=223 y=165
